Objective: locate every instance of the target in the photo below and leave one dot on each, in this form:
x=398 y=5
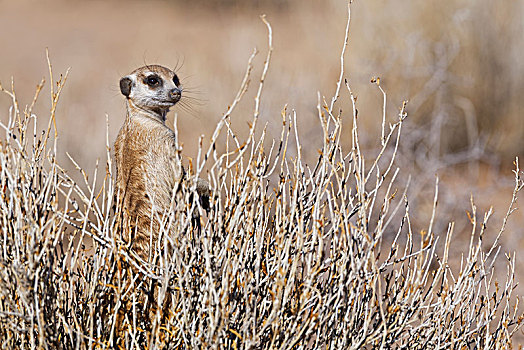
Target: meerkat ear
x=125 y=86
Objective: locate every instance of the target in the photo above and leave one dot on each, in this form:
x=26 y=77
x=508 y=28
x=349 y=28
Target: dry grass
x=289 y=256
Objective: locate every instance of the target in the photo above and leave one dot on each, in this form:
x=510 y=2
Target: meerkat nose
x=175 y=94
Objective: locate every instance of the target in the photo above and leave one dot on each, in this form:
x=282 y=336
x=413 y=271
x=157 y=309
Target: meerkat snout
x=175 y=94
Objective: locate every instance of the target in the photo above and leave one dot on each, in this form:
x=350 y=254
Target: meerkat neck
x=134 y=110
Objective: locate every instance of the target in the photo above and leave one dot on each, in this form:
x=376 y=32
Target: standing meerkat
x=147 y=161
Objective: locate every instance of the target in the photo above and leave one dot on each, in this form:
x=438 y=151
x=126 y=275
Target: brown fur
x=147 y=161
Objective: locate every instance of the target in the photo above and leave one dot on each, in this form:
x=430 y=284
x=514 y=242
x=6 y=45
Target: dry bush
x=289 y=256
x=459 y=63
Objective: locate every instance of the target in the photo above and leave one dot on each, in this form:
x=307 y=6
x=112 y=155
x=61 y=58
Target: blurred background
x=459 y=63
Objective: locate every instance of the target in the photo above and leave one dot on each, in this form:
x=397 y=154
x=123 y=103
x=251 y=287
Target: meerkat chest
x=149 y=155
x=157 y=141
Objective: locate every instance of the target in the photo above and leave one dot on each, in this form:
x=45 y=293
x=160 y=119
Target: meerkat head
x=153 y=88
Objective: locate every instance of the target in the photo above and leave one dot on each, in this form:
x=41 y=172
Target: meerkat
x=147 y=161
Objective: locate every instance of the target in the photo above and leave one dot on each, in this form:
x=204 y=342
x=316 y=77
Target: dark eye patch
x=176 y=80
x=153 y=80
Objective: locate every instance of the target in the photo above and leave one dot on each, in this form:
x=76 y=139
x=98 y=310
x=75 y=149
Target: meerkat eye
x=152 y=80
x=176 y=80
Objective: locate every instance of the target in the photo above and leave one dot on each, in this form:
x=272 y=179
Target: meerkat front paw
x=204 y=191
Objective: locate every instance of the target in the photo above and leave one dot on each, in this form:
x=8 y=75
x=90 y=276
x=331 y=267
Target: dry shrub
x=289 y=256
x=459 y=63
